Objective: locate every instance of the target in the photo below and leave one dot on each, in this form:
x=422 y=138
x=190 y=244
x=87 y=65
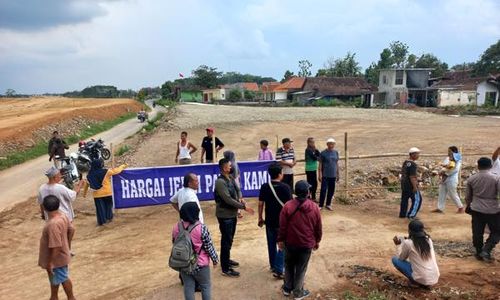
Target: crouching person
x=197 y=236
x=416 y=258
x=54 y=255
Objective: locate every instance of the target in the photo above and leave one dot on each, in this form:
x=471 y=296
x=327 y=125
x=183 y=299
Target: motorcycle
x=82 y=161
x=142 y=116
x=68 y=169
x=96 y=150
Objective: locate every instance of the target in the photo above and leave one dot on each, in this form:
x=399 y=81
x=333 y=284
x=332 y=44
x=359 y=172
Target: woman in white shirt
x=416 y=258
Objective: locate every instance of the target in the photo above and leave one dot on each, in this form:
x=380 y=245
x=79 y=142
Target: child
x=265 y=153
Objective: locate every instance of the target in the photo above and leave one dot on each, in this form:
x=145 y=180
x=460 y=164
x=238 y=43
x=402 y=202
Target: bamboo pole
x=111 y=148
x=277 y=143
x=214 y=156
x=346 y=166
x=398 y=155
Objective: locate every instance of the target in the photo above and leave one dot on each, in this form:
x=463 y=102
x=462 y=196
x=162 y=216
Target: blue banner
x=136 y=187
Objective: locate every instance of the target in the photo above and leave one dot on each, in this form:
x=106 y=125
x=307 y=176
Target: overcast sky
x=64 y=45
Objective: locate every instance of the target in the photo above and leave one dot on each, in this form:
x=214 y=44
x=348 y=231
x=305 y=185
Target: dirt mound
x=24 y=122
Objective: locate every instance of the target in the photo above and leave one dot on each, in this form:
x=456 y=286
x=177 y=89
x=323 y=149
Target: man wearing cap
x=299 y=233
x=207 y=146
x=286 y=157
x=483 y=204
x=328 y=173
x=409 y=186
x=65 y=196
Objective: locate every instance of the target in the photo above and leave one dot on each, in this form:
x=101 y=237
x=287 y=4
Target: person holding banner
x=99 y=180
x=228 y=200
x=273 y=196
x=184 y=150
x=208 y=148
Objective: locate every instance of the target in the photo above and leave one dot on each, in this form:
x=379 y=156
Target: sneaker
x=304 y=294
x=478 y=256
x=285 y=292
x=231 y=273
x=486 y=256
x=329 y=207
x=278 y=275
x=234 y=264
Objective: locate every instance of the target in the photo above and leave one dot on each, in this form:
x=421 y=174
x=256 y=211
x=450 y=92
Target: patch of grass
x=40 y=147
x=343 y=199
x=122 y=150
x=153 y=123
x=169 y=103
x=373 y=295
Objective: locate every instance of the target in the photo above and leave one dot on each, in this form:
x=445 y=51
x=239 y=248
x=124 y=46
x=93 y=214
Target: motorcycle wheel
x=106 y=154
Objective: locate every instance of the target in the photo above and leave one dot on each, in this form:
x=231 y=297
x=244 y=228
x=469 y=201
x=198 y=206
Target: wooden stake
x=214 y=157
x=112 y=155
x=277 y=143
x=346 y=167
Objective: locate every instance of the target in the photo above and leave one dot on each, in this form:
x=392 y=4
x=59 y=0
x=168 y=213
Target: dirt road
x=127 y=259
x=19 y=183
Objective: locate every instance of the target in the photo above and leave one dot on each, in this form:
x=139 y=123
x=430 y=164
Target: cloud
x=33 y=15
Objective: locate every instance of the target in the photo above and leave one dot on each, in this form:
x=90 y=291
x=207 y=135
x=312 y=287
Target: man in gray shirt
x=482 y=198
x=328 y=173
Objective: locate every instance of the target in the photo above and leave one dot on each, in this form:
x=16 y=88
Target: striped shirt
x=287 y=156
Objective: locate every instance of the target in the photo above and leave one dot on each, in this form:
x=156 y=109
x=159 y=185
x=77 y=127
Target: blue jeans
x=227 y=227
x=403 y=266
x=202 y=277
x=276 y=256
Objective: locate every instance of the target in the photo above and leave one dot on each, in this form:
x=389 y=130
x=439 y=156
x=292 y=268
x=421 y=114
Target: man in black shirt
x=207 y=146
x=273 y=196
x=409 y=186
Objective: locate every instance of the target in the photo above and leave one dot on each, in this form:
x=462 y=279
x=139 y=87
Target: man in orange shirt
x=54 y=255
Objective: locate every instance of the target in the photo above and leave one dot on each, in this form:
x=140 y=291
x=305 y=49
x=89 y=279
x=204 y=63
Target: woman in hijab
x=202 y=244
x=99 y=180
x=416 y=258
x=235 y=171
x=448 y=185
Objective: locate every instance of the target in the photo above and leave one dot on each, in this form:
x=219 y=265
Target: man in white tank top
x=184 y=150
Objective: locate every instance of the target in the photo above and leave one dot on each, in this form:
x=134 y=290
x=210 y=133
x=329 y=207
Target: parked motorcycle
x=96 y=150
x=82 y=161
x=68 y=169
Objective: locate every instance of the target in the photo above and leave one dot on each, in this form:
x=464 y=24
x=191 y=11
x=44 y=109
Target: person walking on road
x=272 y=197
x=54 y=255
x=99 y=180
x=56 y=148
x=207 y=148
x=312 y=156
x=483 y=204
x=448 y=186
x=286 y=157
x=328 y=173
x=415 y=256
x=188 y=194
x=300 y=232
x=184 y=150
x=228 y=200
x=203 y=246
x=409 y=186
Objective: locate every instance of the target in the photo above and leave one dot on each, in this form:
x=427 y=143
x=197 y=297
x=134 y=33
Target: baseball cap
x=53 y=171
x=330 y=140
x=302 y=188
x=286 y=140
x=211 y=129
x=414 y=150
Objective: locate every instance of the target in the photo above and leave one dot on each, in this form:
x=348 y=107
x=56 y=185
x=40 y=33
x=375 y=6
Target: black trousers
x=327 y=190
x=416 y=203
x=479 y=221
x=312 y=179
x=288 y=179
x=296 y=261
x=227 y=229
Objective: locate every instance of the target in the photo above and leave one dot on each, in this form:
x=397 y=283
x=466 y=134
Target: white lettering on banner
x=175 y=187
x=199 y=185
x=208 y=183
x=139 y=188
x=254 y=180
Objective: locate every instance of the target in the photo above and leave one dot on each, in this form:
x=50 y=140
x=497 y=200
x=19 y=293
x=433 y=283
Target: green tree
x=10 y=92
x=429 y=60
x=341 y=67
x=464 y=66
x=287 y=75
x=167 y=90
x=304 y=68
x=142 y=94
x=385 y=61
x=400 y=53
x=489 y=62
x=412 y=60
x=248 y=95
x=234 y=95
x=205 y=76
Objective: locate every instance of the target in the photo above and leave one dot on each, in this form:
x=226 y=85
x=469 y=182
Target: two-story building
x=400 y=86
